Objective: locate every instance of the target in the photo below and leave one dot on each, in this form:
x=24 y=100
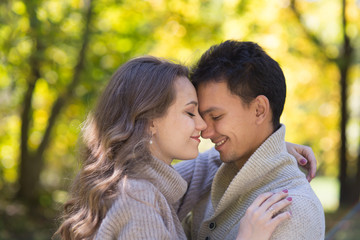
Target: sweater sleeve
x=199 y=174
x=307 y=221
x=135 y=217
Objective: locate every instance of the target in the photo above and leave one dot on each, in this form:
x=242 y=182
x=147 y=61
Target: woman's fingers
x=274 y=213
x=273 y=199
x=261 y=199
x=274 y=209
x=264 y=215
x=279 y=219
x=311 y=165
x=305 y=157
x=269 y=204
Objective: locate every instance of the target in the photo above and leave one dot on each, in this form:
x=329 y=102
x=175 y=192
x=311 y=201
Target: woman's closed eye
x=190 y=114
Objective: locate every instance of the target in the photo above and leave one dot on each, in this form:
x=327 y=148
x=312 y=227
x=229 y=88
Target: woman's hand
x=262 y=216
x=305 y=157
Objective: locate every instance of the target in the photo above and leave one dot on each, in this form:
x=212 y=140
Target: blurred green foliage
x=48 y=35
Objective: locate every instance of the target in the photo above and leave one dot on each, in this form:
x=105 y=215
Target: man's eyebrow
x=207 y=111
x=192 y=102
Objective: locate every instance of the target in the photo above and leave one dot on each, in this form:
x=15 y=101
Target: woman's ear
x=262 y=108
x=152 y=127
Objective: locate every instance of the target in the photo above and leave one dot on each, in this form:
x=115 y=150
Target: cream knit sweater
x=270 y=168
x=144 y=208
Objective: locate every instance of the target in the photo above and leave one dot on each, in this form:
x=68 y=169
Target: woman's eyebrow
x=192 y=102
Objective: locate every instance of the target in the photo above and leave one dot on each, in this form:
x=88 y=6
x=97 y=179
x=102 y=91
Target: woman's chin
x=191 y=155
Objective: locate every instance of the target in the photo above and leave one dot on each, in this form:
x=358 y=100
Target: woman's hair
x=116 y=136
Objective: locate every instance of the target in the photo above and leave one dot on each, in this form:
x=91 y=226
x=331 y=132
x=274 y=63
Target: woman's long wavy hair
x=116 y=136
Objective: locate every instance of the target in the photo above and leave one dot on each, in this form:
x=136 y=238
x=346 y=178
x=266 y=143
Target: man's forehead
x=210 y=95
x=212 y=89
x=216 y=96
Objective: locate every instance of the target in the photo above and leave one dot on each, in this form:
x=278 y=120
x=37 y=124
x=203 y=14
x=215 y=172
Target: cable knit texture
x=199 y=174
x=145 y=207
x=270 y=168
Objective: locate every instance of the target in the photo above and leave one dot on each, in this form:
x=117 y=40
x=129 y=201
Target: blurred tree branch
x=310 y=35
x=69 y=92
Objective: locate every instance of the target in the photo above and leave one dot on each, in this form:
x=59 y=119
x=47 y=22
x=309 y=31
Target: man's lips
x=196 y=138
x=220 y=143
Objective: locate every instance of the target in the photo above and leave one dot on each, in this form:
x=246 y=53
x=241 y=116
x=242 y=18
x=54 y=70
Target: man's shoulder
x=305 y=200
x=307 y=220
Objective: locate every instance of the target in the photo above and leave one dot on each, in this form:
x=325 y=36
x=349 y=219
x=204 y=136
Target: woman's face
x=176 y=135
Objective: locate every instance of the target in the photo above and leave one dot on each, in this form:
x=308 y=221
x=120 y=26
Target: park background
x=57 y=55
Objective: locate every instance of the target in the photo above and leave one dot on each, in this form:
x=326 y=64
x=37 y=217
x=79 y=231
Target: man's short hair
x=248 y=70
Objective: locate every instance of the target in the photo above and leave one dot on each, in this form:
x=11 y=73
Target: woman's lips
x=196 y=138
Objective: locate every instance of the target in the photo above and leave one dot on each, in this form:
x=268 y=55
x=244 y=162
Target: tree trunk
x=31 y=163
x=357 y=178
x=343 y=177
x=28 y=165
x=344 y=62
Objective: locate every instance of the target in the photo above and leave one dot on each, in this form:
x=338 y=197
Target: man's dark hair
x=248 y=71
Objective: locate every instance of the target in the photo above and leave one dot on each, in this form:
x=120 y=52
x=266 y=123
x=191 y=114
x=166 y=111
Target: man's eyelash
x=217 y=117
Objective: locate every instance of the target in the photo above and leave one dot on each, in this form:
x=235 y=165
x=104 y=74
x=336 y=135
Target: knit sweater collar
x=166 y=179
x=229 y=184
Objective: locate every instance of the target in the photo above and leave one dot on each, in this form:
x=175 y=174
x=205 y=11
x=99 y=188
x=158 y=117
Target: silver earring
x=150 y=141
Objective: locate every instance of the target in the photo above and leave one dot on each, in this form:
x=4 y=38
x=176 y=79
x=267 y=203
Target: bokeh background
x=57 y=55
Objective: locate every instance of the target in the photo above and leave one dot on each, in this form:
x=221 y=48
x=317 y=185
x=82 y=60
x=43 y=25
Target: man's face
x=230 y=122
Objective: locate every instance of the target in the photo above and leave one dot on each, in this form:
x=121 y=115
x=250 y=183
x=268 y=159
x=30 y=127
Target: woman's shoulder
x=136 y=193
x=138 y=202
x=137 y=184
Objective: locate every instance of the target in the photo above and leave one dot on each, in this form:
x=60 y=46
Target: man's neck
x=263 y=134
x=240 y=163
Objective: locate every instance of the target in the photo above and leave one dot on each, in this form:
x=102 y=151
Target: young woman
x=126 y=188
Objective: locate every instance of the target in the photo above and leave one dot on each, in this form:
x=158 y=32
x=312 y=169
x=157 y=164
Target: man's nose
x=208 y=132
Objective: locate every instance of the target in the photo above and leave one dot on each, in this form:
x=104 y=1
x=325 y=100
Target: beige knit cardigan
x=144 y=208
x=270 y=168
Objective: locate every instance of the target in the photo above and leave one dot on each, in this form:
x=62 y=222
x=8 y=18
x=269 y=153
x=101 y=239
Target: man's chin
x=224 y=158
x=228 y=158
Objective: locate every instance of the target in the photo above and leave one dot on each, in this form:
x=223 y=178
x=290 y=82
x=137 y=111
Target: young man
x=241 y=93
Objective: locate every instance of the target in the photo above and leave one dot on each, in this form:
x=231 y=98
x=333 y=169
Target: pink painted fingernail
x=289 y=199
x=285 y=191
x=303 y=161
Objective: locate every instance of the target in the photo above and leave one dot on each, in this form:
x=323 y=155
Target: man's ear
x=262 y=108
